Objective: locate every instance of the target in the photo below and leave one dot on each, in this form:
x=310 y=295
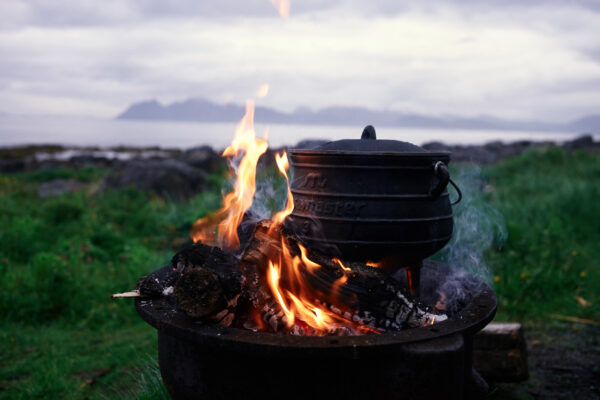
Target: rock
x=11 y=166
x=203 y=157
x=486 y=154
x=88 y=159
x=170 y=179
x=500 y=352
x=57 y=187
x=581 y=143
x=436 y=146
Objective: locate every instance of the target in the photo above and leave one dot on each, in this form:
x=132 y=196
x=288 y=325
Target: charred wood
x=210 y=283
x=158 y=283
x=199 y=293
x=223 y=264
x=359 y=292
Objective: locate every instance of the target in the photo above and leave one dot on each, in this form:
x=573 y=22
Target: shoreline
x=24 y=158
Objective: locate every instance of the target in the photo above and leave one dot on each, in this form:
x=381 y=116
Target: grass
x=529 y=225
x=550 y=262
x=60 y=259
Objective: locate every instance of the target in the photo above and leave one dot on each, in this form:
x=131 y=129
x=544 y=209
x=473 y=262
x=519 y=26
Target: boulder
x=56 y=187
x=585 y=142
x=203 y=157
x=12 y=165
x=169 y=179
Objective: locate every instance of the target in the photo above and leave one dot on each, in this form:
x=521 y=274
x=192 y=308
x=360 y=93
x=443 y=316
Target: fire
x=282 y=6
x=374 y=264
x=342 y=266
x=220 y=228
x=284 y=165
x=288 y=271
x=262 y=91
x=295 y=303
x=287 y=280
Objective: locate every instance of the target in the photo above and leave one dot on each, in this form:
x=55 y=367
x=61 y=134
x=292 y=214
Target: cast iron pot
x=372 y=199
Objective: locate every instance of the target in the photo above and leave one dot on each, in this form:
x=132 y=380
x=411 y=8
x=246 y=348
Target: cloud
x=72 y=13
x=501 y=58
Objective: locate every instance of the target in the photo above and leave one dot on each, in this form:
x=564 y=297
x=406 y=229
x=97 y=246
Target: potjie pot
x=372 y=199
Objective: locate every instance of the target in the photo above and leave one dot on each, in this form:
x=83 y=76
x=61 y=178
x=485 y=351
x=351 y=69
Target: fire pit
x=207 y=361
x=329 y=297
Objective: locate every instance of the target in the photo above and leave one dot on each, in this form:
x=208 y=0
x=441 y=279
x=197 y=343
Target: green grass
x=550 y=200
x=531 y=223
x=60 y=259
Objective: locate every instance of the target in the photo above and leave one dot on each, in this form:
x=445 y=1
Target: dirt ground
x=564 y=363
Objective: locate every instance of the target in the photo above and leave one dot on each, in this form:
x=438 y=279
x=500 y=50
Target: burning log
x=199 y=293
x=210 y=283
x=158 y=283
x=353 y=291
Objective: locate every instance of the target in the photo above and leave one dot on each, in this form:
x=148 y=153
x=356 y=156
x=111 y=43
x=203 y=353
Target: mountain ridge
x=202 y=110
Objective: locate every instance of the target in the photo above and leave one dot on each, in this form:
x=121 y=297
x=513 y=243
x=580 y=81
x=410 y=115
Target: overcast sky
x=505 y=58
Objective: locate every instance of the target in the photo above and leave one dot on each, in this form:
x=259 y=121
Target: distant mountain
x=587 y=124
x=202 y=110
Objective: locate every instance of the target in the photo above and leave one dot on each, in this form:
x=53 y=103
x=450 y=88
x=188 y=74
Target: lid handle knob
x=368 y=133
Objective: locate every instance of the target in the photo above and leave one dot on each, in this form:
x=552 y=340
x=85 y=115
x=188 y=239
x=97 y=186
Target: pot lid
x=368 y=142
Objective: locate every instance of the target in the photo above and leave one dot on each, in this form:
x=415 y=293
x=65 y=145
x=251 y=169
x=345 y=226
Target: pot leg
x=413 y=277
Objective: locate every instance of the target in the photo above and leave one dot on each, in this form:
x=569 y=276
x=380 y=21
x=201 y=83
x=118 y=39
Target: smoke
x=269 y=198
x=478 y=227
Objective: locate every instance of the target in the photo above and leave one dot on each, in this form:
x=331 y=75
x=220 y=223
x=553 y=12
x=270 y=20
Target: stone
x=500 y=352
x=584 y=142
x=169 y=179
x=56 y=187
x=203 y=157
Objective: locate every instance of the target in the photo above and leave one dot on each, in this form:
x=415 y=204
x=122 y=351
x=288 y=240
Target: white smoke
x=478 y=227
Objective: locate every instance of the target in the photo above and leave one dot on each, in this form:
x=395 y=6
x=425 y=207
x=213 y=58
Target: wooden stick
x=133 y=293
x=210 y=281
x=575 y=319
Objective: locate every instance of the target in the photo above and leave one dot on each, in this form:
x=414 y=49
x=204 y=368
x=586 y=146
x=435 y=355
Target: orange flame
x=286 y=272
x=297 y=302
x=282 y=7
x=374 y=264
x=342 y=266
x=220 y=228
x=284 y=165
x=262 y=91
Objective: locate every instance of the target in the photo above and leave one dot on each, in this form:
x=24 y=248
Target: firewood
x=199 y=293
x=368 y=294
x=158 y=283
x=576 y=320
x=500 y=352
x=210 y=282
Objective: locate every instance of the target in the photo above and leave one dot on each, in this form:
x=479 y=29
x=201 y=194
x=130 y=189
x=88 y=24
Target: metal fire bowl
x=204 y=360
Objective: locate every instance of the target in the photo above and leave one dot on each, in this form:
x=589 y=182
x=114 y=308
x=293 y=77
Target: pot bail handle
x=441 y=170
